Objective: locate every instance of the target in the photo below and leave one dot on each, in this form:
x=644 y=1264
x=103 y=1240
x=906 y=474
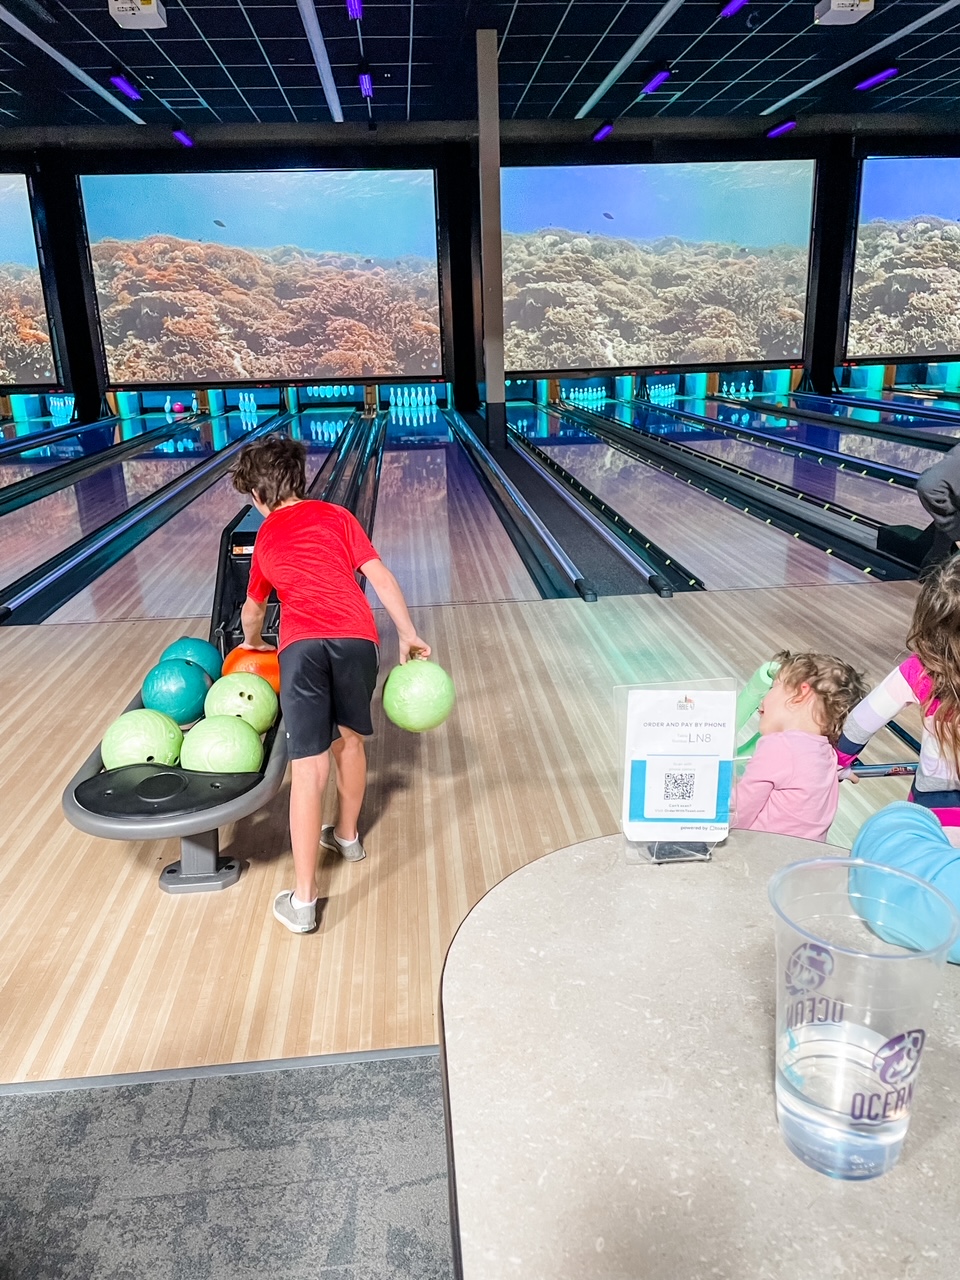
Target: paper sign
x=679 y=763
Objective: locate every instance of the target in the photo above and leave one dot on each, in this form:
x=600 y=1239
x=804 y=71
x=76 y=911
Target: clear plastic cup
x=860 y=953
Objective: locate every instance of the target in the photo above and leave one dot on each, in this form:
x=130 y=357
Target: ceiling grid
x=249 y=61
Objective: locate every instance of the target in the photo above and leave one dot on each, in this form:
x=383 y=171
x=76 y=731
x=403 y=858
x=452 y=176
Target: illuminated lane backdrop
x=26 y=355
x=906 y=287
x=608 y=266
x=276 y=275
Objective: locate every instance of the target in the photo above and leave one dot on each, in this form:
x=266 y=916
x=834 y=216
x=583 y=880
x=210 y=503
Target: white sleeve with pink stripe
x=877 y=709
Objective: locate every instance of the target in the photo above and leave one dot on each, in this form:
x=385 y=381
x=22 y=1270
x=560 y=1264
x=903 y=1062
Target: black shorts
x=325 y=683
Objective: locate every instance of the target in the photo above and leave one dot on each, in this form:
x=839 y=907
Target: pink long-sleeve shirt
x=789 y=787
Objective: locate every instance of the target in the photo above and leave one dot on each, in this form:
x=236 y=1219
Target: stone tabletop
x=608 y=1048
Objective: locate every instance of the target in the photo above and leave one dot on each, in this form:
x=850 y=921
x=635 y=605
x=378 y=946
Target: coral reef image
x=26 y=355
x=710 y=265
x=303 y=274
x=906 y=287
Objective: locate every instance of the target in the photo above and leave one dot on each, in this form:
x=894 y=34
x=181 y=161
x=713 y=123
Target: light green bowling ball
x=222 y=744
x=245 y=695
x=141 y=737
x=418 y=696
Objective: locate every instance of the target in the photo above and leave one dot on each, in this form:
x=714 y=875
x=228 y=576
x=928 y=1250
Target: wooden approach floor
x=102 y=973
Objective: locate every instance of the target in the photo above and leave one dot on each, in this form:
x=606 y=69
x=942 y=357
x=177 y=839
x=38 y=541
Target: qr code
x=678 y=786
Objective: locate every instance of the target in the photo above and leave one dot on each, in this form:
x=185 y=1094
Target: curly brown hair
x=934 y=637
x=275 y=468
x=836 y=685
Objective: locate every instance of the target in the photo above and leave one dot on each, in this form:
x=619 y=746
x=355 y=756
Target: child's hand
x=415 y=648
x=847 y=775
x=259 y=646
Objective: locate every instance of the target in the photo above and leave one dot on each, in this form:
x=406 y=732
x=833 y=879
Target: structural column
x=70 y=291
x=831 y=266
x=491 y=249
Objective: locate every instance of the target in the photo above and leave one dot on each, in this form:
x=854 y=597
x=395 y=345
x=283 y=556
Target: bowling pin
x=393 y=399
x=166 y=407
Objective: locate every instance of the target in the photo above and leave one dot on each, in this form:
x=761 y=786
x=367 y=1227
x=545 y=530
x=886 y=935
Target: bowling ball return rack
x=159 y=802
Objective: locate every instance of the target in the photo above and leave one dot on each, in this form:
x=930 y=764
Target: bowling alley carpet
x=333 y=1171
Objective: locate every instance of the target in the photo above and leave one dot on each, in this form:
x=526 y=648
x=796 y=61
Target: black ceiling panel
x=240 y=61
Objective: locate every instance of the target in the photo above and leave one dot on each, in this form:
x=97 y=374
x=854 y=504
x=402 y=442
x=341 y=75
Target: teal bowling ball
x=418 y=696
x=202 y=652
x=177 y=688
x=141 y=737
x=245 y=695
x=222 y=744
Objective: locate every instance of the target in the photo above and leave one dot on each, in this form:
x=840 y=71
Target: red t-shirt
x=309 y=553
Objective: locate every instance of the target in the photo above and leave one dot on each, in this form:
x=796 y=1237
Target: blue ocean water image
x=26 y=356
x=756 y=203
x=372 y=213
x=17 y=243
x=299 y=274
x=906 y=288
x=619 y=266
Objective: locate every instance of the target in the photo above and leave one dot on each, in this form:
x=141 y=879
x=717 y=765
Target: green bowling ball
x=177 y=687
x=202 y=652
x=418 y=696
x=141 y=737
x=222 y=744
x=245 y=695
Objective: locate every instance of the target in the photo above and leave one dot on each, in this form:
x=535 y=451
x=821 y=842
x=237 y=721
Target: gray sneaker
x=352 y=852
x=296 y=919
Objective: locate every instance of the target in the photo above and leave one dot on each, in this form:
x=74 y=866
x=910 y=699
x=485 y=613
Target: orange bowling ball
x=256 y=662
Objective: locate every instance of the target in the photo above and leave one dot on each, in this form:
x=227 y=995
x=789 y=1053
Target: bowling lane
x=36 y=532
x=36 y=460
x=435 y=527
x=885 y=503
x=724 y=547
x=888 y=413
x=172 y=574
x=45 y=528
x=842 y=439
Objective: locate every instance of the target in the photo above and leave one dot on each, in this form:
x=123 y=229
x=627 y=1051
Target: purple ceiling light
x=183 y=138
x=779 y=130
x=126 y=87
x=732 y=7
x=355 y=9
x=881 y=77
x=656 y=80
x=365 y=79
x=604 y=131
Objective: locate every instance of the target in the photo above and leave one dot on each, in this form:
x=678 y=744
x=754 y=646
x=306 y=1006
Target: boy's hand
x=415 y=648
x=847 y=775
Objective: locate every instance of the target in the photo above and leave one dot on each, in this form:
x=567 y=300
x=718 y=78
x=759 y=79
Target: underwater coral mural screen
x=280 y=275
x=26 y=356
x=608 y=266
x=906 y=282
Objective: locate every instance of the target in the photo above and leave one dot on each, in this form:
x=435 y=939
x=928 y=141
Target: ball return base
x=199 y=868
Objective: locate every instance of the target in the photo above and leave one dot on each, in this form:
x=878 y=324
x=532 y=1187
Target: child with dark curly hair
x=791 y=785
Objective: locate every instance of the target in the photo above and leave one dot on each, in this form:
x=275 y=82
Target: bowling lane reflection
x=724 y=547
x=888 y=504
x=33 y=461
x=45 y=528
x=435 y=526
x=844 y=438
x=172 y=574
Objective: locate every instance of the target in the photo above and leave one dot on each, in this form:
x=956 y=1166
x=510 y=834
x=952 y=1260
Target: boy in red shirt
x=309 y=552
